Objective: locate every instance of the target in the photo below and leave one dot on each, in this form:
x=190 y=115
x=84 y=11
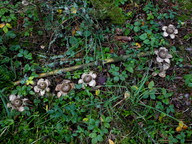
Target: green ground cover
x=95 y=71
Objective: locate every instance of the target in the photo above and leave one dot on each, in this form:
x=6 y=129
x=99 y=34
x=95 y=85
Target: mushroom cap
x=66 y=87
x=42 y=85
x=87 y=78
x=170 y=29
x=17 y=102
x=163 y=53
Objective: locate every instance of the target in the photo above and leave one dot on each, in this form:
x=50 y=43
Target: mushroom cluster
x=163 y=60
x=87 y=79
x=42 y=86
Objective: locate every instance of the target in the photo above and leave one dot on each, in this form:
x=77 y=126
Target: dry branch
x=106 y=61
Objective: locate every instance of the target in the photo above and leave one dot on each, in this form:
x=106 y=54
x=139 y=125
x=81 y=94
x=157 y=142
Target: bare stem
x=106 y=61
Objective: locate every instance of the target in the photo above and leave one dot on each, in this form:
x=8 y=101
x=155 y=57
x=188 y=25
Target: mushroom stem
x=106 y=61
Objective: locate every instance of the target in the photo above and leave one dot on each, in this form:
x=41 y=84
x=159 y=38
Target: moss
x=108 y=9
x=185 y=6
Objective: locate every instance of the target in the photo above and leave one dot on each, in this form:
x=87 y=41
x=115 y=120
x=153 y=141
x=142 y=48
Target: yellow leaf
x=73 y=32
x=59 y=11
x=138 y=45
x=8 y=25
x=73 y=10
x=28 y=82
x=2 y=25
x=97 y=92
x=181 y=124
x=161 y=117
x=178 y=129
x=85 y=119
x=110 y=141
x=185 y=127
x=46 y=107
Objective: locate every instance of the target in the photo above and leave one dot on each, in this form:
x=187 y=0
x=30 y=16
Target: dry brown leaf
x=76 y=28
x=110 y=141
x=123 y=38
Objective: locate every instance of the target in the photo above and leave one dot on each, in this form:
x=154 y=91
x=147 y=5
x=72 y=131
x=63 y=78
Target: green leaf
x=27 y=68
x=87 y=33
x=14 y=47
x=146 y=41
x=143 y=36
x=20 y=55
x=152 y=96
x=127 y=32
x=99 y=138
x=136 y=29
x=129 y=69
x=151 y=85
x=165 y=101
x=92 y=135
x=8 y=25
x=73 y=41
x=107 y=125
x=29 y=56
x=137 y=23
x=94 y=141
x=5 y=29
x=10 y=34
x=116 y=78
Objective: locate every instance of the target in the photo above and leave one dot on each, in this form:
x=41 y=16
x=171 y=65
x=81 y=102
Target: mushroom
x=163 y=55
x=42 y=86
x=17 y=103
x=169 y=31
x=88 y=79
x=65 y=87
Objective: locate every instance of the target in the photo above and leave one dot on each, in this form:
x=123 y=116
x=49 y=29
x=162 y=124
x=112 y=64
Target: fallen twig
x=106 y=61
